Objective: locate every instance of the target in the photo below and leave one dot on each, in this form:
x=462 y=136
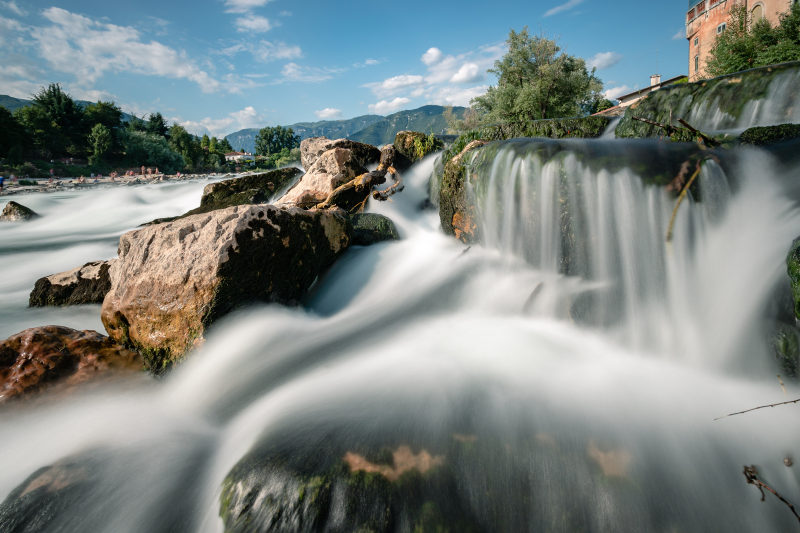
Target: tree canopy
x=537 y=80
x=746 y=44
x=271 y=140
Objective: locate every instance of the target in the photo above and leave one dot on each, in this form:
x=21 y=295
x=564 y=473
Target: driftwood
x=681 y=196
x=757 y=408
x=702 y=138
x=708 y=141
x=353 y=195
x=751 y=474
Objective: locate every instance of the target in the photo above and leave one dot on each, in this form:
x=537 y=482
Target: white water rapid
x=597 y=361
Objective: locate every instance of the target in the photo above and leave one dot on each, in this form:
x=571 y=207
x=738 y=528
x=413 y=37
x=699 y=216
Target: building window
x=757 y=13
x=721 y=28
x=695 y=41
x=696 y=63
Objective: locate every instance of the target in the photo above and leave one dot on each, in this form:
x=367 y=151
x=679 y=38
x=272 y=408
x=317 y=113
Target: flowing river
x=584 y=373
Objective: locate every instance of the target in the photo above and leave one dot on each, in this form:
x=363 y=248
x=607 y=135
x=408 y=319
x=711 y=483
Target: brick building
x=708 y=18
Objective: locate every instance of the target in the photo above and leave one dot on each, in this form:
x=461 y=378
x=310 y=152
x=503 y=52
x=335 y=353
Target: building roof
x=652 y=87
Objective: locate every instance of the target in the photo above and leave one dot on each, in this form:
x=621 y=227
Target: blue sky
x=218 y=66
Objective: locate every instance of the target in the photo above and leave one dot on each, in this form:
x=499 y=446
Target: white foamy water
x=607 y=414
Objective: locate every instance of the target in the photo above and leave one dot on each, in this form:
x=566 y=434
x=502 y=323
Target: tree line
x=55 y=127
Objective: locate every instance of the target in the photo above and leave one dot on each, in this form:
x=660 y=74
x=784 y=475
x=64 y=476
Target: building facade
x=708 y=18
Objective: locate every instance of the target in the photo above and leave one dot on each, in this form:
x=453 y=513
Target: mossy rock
x=693 y=102
x=371 y=228
x=412 y=146
x=793 y=269
x=785 y=343
x=14 y=212
x=766 y=135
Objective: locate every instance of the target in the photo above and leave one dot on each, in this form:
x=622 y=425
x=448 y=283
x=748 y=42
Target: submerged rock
x=766 y=135
x=333 y=168
x=312 y=148
x=173 y=280
x=55 y=355
x=87 y=284
x=14 y=212
x=332 y=487
x=371 y=228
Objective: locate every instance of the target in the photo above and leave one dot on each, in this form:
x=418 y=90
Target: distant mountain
x=12 y=104
x=372 y=129
x=333 y=129
x=426 y=119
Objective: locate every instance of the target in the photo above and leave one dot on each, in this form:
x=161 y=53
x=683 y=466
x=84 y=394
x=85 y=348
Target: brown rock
x=456 y=212
x=332 y=169
x=311 y=149
x=173 y=280
x=50 y=355
x=87 y=284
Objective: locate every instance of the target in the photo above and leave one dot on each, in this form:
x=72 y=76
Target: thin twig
x=757 y=408
x=681 y=196
x=708 y=141
x=751 y=474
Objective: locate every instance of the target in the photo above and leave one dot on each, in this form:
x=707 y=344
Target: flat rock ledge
x=87 y=284
x=173 y=280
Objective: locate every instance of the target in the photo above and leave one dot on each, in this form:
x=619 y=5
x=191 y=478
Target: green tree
x=156 y=125
x=536 y=80
x=271 y=140
x=100 y=143
x=150 y=150
x=182 y=142
x=12 y=137
x=224 y=146
x=65 y=134
x=108 y=115
x=39 y=131
x=746 y=44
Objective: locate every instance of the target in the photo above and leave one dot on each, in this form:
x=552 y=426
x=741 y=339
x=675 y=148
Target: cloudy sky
x=221 y=65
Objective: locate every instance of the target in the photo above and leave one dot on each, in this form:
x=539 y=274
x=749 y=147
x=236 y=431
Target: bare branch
x=751 y=474
x=757 y=408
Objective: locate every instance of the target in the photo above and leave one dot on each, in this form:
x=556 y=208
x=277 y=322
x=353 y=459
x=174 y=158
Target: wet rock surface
x=87 y=284
x=332 y=169
x=14 y=212
x=174 y=280
x=371 y=228
x=42 y=357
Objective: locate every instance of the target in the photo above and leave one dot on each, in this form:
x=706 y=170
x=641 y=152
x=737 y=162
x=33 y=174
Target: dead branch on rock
x=396 y=187
x=757 y=408
x=751 y=474
x=705 y=139
x=668 y=128
x=681 y=196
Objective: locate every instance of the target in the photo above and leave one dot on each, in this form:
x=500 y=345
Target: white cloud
x=604 y=60
x=679 y=35
x=615 y=92
x=467 y=73
x=563 y=7
x=244 y=6
x=244 y=118
x=388 y=106
x=14 y=8
x=328 y=113
x=295 y=72
x=253 y=24
x=88 y=49
x=394 y=84
x=459 y=97
x=266 y=51
x=433 y=55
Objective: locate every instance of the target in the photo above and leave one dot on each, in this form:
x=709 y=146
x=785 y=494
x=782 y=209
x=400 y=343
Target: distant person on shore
x=2 y=181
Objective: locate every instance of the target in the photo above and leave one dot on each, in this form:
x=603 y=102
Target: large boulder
x=333 y=168
x=312 y=148
x=174 y=280
x=55 y=355
x=87 y=284
x=14 y=212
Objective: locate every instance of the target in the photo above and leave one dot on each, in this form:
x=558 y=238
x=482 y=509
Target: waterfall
x=566 y=371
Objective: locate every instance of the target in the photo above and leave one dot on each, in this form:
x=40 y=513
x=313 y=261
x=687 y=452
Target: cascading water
x=566 y=372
